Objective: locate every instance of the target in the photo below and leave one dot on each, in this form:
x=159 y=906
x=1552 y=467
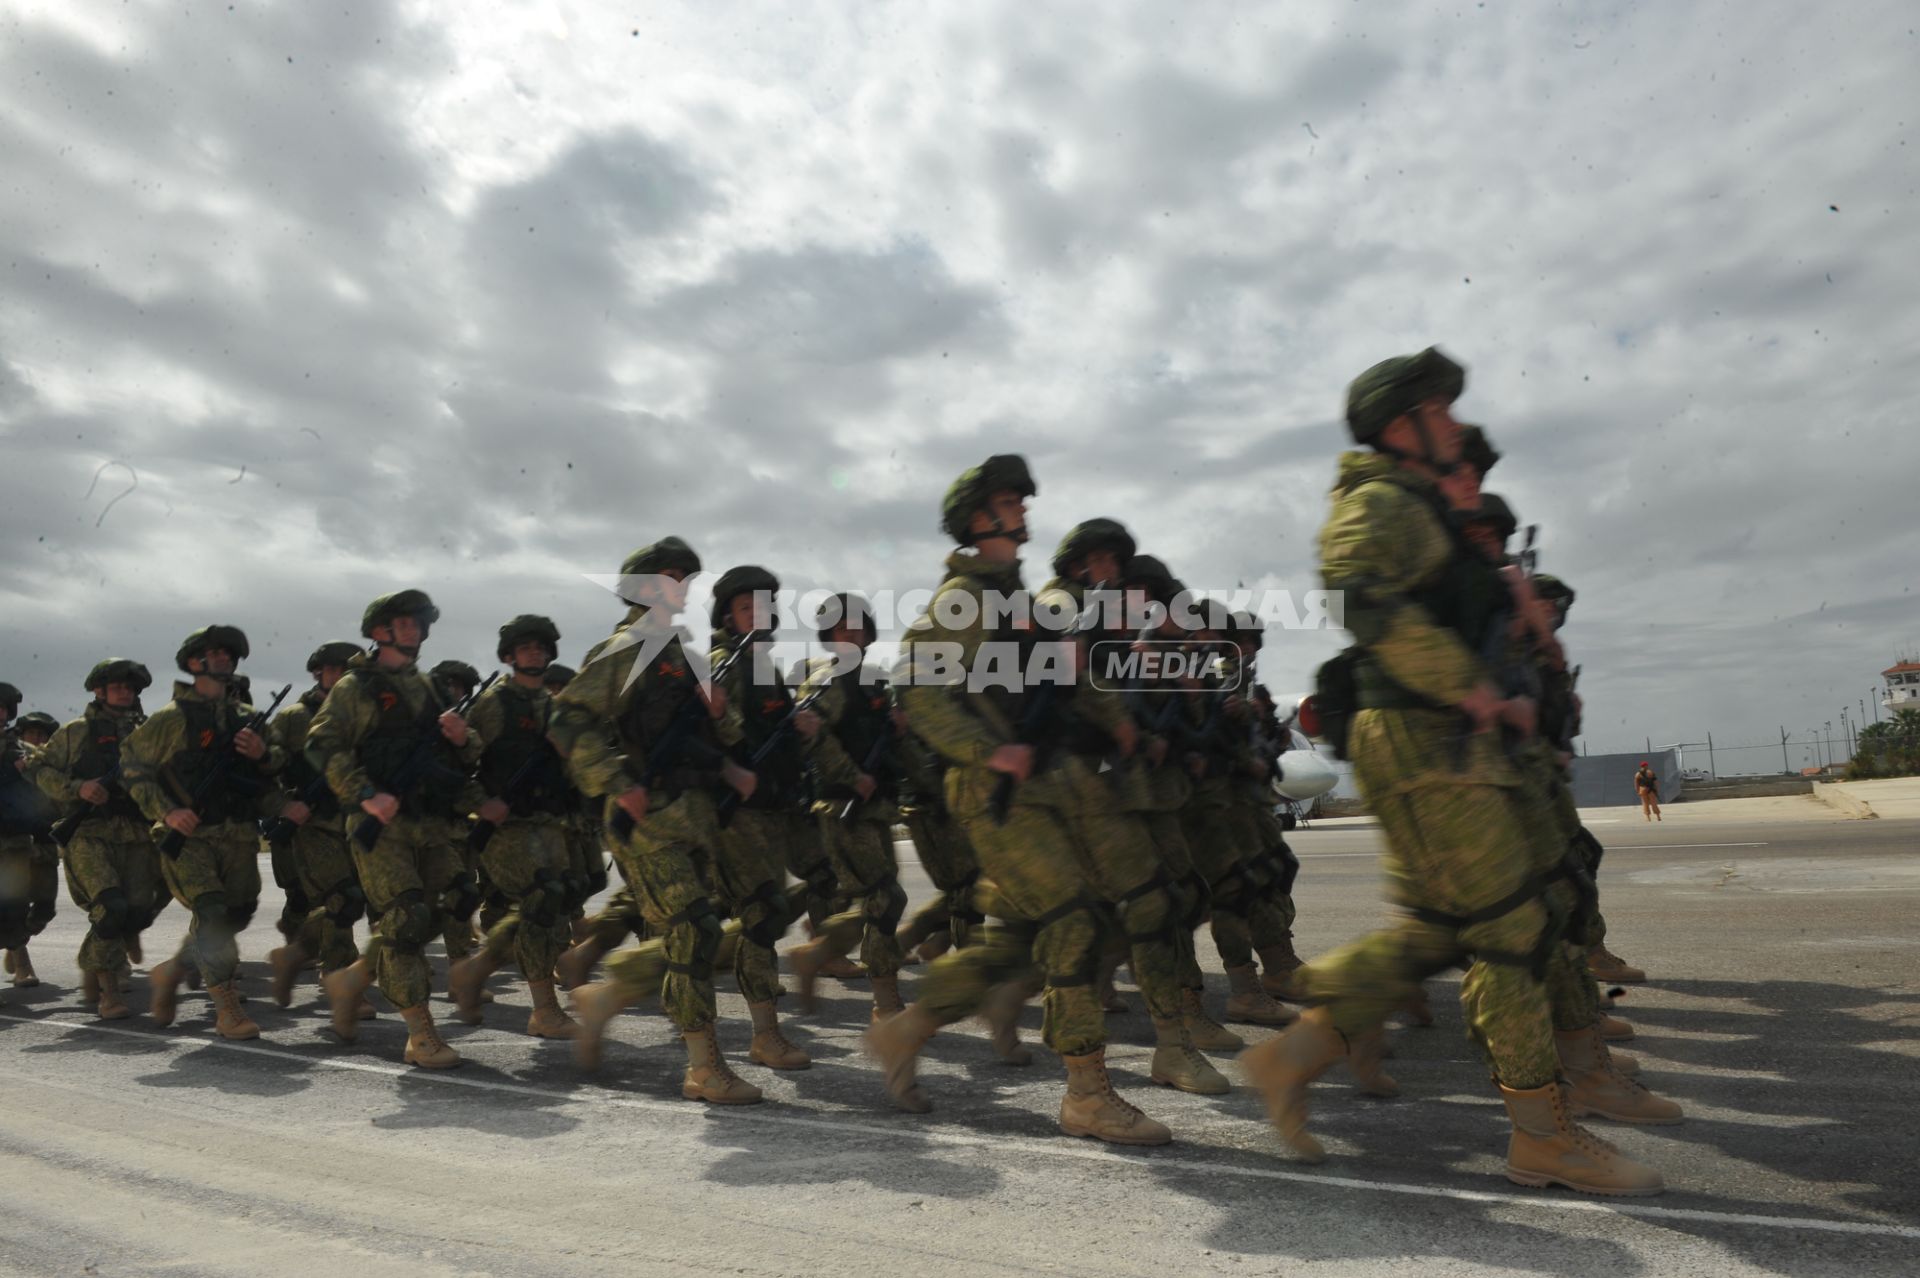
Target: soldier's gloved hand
x=454 y=729
x=744 y=780
x=382 y=808
x=633 y=802
x=864 y=786
x=1126 y=737
x=1014 y=760
x=1520 y=714
x=249 y=744
x=93 y=792
x=807 y=724
x=1482 y=705
x=297 y=812
x=181 y=820
x=493 y=811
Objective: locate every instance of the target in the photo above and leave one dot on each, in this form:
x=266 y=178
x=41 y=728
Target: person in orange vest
x=1649 y=787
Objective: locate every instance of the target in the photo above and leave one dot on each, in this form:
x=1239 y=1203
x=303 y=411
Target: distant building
x=1903 y=686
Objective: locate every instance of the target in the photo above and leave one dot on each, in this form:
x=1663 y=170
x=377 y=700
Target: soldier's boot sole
x=1281 y=1069
x=1615 y=1030
x=21 y=965
x=1186 y=1070
x=1548 y=1148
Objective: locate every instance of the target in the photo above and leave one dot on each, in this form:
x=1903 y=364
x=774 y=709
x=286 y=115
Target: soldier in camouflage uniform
x=393 y=750
x=1046 y=909
x=455 y=681
x=1429 y=761
x=950 y=918
x=113 y=872
x=1145 y=898
x=586 y=858
x=215 y=875
x=857 y=764
x=43 y=886
x=616 y=723
x=307 y=844
x=24 y=816
x=522 y=827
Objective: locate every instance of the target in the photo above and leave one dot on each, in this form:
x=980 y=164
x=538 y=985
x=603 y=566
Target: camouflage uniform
x=941 y=846
x=360 y=739
x=216 y=876
x=311 y=862
x=113 y=870
x=24 y=813
x=526 y=859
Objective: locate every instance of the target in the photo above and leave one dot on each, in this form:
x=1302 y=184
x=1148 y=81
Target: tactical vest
x=299 y=776
x=384 y=753
x=865 y=722
x=100 y=754
x=210 y=726
x=782 y=773
x=523 y=743
x=655 y=698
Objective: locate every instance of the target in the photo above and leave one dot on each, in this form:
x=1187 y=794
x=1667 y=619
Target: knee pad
x=410 y=922
x=579 y=888
x=1231 y=894
x=212 y=913
x=110 y=914
x=886 y=902
x=546 y=902
x=461 y=896
x=961 y=904
x=345 y=903
x=778 y=913
x=40 y=913
x=1196 y=900
x=238 y=916
x=707 y=934
x=596 y=879
x=1289 y=867
x=821 y=880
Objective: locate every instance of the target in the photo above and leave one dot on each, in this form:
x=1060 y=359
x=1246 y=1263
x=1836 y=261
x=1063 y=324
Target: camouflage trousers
x=749 y=878
x=113 y=874
x=1044 y=911
x=665 y=860
x=1176 y=858
x=944 y=853
x=216 y=878
x=42 y=886
x=1125 y=869
x=1571 y=992
x=457 y=931
x=16 y=889
x=869 y=873
x=404 y=874
x=817 y=896
x=324 y=900
x=1463 y=870
x=525 y=863
x=1219 y=836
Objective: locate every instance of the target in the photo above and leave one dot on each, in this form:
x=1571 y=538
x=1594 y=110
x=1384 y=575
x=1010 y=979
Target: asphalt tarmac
x=1783 y=1011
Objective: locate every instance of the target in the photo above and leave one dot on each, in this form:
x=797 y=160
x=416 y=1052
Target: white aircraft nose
x=1304 y=775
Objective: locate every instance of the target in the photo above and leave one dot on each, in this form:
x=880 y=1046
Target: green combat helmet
x=454 y=671
x=232 y=638
x=1000 y=473
x=743 y=579
x=403 y=603
x=1395 y=387
x=337 y=653
x=1495 y=511
x=1088 y=536
x=1476 y=450
x=120 y=670
x=652 y=560
x=846 y=608
x=557 y=676
x=10 y=697
x=1244 y=627
x=1148 y=573
x=38 y=721
x=528 y=625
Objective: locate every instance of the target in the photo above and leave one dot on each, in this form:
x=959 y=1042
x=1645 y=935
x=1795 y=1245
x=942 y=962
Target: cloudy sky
x=300 y=303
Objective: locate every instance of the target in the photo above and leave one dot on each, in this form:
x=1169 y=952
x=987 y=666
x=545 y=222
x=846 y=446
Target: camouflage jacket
x=160 y=757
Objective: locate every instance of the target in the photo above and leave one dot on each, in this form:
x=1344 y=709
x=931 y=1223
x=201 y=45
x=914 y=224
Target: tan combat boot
x=1607 y=966
x=1615 y=1030
x=1110 y=1000
x=1282 y=1067
x=1596 y=1084
x=20 y=963
x=1092 y=1108
x=1001 y=1011
x=1177 y=1065
x=770 y=1047
x=1628 y=1065
x=467 y=980
x=164 y=985
x=1365 y=1057
x=133 y=950
x=346 y=991
x=1208 y=1034
x=547 y=1019
x=1418 y=1010
x=934 y=946
x=425 y=1047
x=593 y=1006
x=110 y=1004
x=573 y=967
x=810 y=961
x=1549 y=1148
x=842 y=968
x=1248 y=1004
x=708 y=1076
x=1279 y=963
x=895 y=1043
x=90 y=988
x=286 y=962
x=886 y=998
x=228 y=1020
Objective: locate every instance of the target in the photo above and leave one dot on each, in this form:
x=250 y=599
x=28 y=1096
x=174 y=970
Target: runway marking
x=1043 y=1148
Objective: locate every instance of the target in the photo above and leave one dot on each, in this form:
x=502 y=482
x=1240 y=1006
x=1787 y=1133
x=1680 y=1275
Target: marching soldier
x=586 y=859
x=33 y=731
x=455 y=680
x=199 y=771
x=307 y=844
x=522 y=830
x=24 y=815
x=397 y=757
x=641 y=734
x=1427 y=756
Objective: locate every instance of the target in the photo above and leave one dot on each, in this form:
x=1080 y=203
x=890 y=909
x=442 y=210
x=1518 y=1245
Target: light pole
x=1829 y=724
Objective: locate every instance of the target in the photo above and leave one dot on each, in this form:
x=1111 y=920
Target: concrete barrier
x=1757 y=788
x=1835 y=795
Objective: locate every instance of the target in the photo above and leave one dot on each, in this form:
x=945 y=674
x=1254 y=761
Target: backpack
x=1336 y=698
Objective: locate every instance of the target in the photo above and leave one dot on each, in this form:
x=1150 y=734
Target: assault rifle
x=666 y=752
x=1033 y=720
x=871 y=763
x=69 y=825
x=730 y=801
x=417 y=766
x=215 y=776
x=483 y=830
x=277 y=830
